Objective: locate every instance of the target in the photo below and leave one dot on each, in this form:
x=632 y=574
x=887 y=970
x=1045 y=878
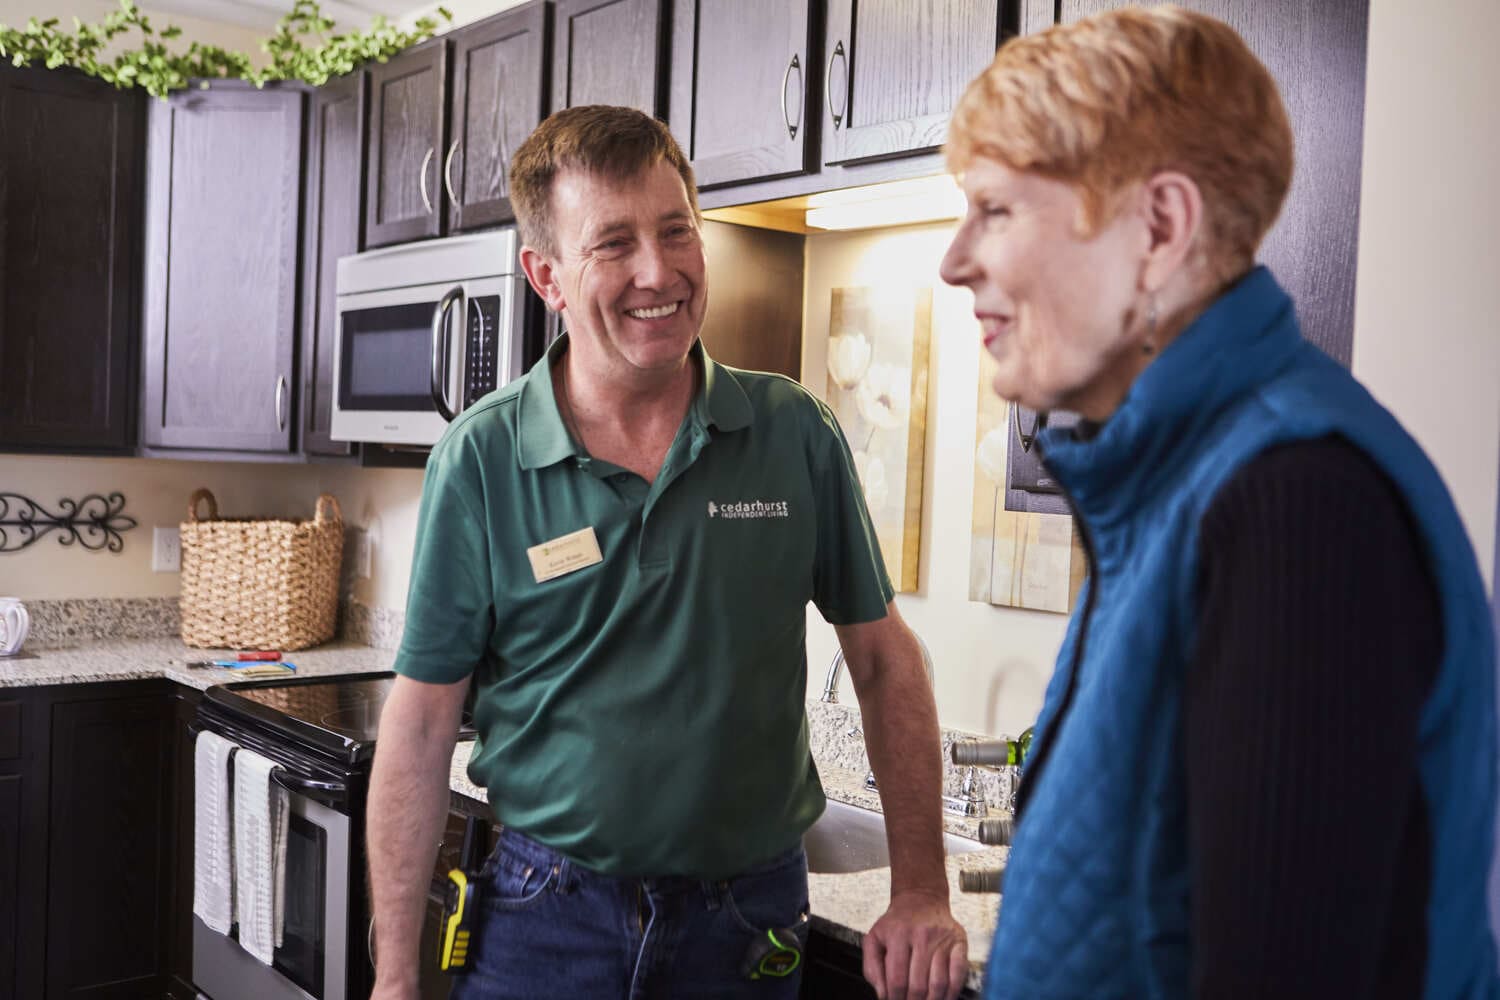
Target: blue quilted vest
x=1096 y=899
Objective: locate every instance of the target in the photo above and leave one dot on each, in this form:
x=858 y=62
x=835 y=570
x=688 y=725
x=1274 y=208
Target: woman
x=1265 y=763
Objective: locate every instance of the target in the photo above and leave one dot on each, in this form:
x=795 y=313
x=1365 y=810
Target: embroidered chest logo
x=743 y=510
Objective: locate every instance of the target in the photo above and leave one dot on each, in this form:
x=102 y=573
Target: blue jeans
x=547 y=928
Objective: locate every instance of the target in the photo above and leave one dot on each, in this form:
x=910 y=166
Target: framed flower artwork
x=879 y=342
x=1025 y=551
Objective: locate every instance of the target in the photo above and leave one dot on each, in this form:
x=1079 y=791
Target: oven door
x=312 y=959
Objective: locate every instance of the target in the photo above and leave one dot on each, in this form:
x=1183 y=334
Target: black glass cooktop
x=339 y=714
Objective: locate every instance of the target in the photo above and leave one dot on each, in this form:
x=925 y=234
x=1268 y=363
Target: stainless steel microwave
x=425 y=330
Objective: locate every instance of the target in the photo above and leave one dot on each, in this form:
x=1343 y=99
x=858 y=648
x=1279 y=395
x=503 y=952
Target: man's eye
x=990 y=211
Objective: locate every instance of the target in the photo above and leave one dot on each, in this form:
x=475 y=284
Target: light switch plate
x=166 y=549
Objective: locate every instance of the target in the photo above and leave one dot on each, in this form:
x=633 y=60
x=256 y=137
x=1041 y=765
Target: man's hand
x=916 y=951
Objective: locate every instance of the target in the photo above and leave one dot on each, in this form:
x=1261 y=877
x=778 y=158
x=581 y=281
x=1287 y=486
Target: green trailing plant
x=303 y=47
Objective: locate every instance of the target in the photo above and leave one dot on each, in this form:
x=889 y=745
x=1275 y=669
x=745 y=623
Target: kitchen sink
x=850 y=839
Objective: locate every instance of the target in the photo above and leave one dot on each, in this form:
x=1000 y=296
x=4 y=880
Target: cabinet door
x=609 y=52
x=223 y=200
x=404 y=196
x=893 y=70
x=23 y=844
x=330 y=230
x=741 y=92
x=70 y=174
x=1316 y=52
x=498 y=98
x=107 y=872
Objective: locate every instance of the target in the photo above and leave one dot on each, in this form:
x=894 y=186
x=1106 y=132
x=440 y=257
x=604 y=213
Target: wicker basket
x=260 y=584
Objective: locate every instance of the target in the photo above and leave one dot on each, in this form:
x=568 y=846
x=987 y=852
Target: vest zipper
x=1031 y=773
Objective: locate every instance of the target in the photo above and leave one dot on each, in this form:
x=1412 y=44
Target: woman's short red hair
x=1110 y=100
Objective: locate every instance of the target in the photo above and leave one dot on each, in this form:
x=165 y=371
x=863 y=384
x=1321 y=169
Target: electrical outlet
x=364 y=555
x=166 y=550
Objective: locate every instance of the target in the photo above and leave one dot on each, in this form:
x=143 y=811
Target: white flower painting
x=878 y=350
x=1017 y=558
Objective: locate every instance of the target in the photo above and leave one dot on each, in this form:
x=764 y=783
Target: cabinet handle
x=795 y=64
x=426 y=201
x=439 y=316
x=280 y=394
x=448 y=173
x=838 y=116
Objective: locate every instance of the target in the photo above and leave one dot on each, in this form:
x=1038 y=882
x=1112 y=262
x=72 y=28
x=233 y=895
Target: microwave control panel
x=481 y=354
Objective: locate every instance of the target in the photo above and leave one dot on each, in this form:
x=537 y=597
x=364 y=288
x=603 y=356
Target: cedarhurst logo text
x=748 y=509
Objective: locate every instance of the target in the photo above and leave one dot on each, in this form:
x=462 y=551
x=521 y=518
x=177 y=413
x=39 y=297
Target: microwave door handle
x=439 y=354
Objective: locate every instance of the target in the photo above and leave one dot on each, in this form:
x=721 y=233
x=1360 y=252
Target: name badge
x=564 y=555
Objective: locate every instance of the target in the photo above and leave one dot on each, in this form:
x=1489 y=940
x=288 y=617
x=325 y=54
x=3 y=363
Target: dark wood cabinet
x=403 y=193
x=223 y=204
x=1316 y=52
x=742 y=88
x=332 y=222
x=86 y=840
x=183 y=706
x=893 y=70
x=610 y=52
x=499 y=96
x=71 y=159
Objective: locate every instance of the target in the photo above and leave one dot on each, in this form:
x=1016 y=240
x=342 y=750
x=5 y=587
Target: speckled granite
x=143 y=659
x=836 y=740
x=377 y=627
x=71 y=622
x=846 y=905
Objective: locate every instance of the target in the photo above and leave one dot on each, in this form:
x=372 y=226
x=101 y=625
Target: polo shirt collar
x=543 y=438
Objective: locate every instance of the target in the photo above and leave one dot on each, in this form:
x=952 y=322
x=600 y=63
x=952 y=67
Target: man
x=620 y=547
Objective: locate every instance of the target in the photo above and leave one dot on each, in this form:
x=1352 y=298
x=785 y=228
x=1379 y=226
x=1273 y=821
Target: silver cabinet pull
x=426 y=201
x=838 y=116
x=280 y=395
x=448 y=174
x=792 y=127
x=439 y=317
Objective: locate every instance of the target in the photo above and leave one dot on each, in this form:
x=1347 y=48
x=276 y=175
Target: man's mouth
x=653 y=312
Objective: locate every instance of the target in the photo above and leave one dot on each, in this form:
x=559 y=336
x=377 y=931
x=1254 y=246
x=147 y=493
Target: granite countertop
x=145 y=659
x=846 y=905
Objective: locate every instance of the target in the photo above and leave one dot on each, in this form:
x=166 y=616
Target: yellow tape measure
x=453 y=941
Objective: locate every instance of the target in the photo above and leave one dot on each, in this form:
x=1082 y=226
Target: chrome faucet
x=970 y=802
x=831 y=682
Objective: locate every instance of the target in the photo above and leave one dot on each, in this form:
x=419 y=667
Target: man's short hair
x=1108 y=101
x=600 y=139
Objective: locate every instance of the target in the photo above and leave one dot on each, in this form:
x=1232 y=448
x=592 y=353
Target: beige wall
x=14 y=13
x=1427 y=301
x=156 y=493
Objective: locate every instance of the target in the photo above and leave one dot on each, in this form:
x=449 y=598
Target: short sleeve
x=850 y=583
x=449 y=605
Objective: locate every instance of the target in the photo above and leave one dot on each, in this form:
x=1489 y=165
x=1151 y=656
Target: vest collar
x=1242 y=338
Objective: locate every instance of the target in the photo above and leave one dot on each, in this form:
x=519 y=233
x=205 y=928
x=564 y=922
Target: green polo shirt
x=642 y=713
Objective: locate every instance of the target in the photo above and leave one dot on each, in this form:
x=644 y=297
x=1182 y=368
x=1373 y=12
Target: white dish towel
x=260 y=822
x=213 y=865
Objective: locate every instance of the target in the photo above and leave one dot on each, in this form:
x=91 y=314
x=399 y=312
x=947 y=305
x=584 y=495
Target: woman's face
x=1061 y=314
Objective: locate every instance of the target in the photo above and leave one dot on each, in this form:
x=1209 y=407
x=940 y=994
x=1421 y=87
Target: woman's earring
x=1149 y=347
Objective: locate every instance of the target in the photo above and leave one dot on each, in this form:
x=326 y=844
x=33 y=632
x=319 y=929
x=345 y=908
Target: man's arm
x=916 y=950
x=408 y=803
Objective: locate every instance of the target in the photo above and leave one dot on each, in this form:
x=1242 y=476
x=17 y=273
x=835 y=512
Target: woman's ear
x=1173 y=209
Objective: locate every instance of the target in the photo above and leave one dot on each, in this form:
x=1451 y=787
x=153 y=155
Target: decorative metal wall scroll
x=94 y=523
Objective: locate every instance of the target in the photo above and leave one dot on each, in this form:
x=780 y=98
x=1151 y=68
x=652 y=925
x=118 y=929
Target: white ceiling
x=348 y=15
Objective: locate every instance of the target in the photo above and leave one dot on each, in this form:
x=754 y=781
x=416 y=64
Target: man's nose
x=654 y=267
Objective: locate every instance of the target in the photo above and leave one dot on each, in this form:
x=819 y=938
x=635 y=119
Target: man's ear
x=543 y=278
x=1172 y=207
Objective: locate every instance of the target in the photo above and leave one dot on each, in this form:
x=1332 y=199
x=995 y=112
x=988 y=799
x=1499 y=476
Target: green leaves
x=302 y=47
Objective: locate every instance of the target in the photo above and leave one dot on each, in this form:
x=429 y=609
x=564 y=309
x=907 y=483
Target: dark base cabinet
x=832 y=970
x=86 y=839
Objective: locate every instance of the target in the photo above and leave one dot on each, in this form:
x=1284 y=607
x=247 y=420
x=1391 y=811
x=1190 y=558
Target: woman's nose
x=957 y=267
